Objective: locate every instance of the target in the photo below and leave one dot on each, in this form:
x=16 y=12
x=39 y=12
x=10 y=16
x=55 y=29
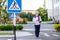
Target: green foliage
x=57 y=27
x=43 y=13
x=5 y=27
x=3 y=12
x=23 y=14
x=29 y=16
x=5 y=16
x=50 y=19
x=10 y=27
x=19 y=27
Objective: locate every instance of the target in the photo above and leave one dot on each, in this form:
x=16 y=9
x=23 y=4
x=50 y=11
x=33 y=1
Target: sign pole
x=14 y=22
x=14 y=6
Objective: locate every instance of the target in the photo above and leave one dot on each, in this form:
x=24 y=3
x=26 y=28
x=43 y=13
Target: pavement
x=47 y=32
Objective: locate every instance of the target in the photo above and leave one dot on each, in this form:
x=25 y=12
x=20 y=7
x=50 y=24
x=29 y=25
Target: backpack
x=38 y=17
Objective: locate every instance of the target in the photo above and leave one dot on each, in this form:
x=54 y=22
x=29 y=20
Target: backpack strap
x=38 y=17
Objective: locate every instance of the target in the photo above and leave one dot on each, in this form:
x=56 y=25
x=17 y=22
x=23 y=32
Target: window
x=56 y=1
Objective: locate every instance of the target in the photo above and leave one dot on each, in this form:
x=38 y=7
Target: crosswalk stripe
x=22 y=34
x=55 y=35
x=9 y=39
x=45 y=34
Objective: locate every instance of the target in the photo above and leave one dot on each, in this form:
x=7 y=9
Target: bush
x=10 y=27
x=19 y=27
x=57 y=27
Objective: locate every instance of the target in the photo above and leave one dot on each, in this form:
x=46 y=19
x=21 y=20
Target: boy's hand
x=37 y=20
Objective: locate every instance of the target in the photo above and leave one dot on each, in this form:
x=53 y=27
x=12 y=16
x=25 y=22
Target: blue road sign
x=14 y=6
x=12 y=15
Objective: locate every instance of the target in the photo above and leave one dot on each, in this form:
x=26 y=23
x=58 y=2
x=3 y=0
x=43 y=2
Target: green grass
x=6 y=33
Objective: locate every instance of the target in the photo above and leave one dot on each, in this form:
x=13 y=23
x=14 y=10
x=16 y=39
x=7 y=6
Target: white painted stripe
x=20 y=39
x=45 y=34
x=22 y=34
x=29 y=39
x=29 y=29
x=9 y=39
x=55 y=35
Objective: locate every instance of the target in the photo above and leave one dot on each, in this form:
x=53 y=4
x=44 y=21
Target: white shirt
x=36 y=22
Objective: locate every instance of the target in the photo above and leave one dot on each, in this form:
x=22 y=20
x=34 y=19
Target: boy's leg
x=37 y=28
x=36 y=31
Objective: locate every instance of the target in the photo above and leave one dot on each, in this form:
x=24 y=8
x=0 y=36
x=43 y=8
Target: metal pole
x=14 y=22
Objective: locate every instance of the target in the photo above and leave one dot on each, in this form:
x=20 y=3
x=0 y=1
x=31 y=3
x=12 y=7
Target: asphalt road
x=47 y=27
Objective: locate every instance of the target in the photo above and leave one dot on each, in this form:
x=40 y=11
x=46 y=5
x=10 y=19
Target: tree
x=3 y=13
x=43 y=13
x=29 y=16
x=23 y=14
x=5 y=16
x=0 y=9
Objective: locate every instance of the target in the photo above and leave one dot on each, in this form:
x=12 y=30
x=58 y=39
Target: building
x=54 y=9
x=32 y=11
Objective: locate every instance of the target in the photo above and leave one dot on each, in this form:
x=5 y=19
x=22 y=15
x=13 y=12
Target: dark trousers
x=37 y=30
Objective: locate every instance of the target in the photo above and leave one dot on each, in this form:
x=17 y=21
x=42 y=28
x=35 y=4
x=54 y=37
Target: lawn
x=6 y=33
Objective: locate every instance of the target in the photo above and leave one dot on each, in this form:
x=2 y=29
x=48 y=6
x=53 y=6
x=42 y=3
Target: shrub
x=10 y=27
x=57 y=27
x=1 y=27
x=19 y=27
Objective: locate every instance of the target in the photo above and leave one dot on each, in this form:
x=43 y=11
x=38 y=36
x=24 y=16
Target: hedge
x=10 y=27
x=57 y=27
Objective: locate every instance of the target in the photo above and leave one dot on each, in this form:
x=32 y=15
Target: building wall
x=49 y=7
x=32 y=11
x=56 y=9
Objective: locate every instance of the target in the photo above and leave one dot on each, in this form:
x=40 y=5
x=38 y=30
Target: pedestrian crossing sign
x=14 y=6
